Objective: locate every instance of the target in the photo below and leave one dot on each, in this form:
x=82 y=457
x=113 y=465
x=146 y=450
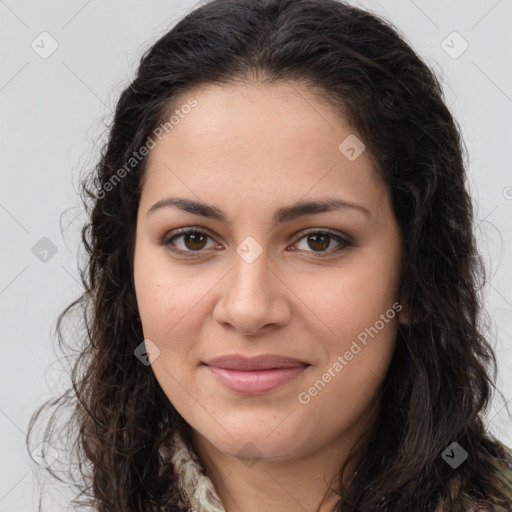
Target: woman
x=281 y=296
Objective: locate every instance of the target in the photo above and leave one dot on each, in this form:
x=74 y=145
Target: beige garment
x=198 y=493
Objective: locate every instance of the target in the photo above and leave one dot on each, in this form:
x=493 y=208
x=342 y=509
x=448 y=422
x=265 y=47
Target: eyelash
x=169 y=239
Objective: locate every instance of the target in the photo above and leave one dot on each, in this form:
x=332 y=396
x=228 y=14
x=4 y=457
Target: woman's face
x=261 y=276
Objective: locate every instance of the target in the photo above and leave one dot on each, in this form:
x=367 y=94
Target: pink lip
x=256 y=375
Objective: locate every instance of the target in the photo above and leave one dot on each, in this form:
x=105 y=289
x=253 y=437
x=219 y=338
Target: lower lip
x=257 y=381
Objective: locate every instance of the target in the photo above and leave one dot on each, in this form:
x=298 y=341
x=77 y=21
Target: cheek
x=354 y=305
x=345 y=387
x=348 y=299
x=165 y=300
x=172 y=303
x=164 y=295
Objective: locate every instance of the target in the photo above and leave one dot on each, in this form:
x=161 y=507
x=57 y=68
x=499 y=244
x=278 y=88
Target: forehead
x=259 y=141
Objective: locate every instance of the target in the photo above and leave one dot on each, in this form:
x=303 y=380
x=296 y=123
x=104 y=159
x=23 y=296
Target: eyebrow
x=282 y=215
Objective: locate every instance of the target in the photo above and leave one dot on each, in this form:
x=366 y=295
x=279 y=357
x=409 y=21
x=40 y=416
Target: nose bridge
x=249 y=297
x=251 y=272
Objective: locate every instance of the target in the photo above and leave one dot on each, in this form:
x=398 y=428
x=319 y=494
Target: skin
x=249 y=149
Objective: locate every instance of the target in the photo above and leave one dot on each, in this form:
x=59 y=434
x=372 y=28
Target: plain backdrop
x=52 y=112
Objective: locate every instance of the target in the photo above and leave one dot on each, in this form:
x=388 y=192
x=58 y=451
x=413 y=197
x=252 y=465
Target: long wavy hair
x=441 y=379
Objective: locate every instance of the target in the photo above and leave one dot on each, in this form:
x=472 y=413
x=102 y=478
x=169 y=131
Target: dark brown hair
x=441 y=378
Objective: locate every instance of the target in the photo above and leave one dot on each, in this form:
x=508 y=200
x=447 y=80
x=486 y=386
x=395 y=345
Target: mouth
x=256 y=375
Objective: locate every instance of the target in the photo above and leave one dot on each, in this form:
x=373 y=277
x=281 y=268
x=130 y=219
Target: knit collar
x=196 y=491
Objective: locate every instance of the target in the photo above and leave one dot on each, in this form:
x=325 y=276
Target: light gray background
x=51 y=125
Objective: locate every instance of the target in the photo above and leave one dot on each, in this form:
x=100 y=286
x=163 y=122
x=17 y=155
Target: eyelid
x=176 y=233
x=334 y=233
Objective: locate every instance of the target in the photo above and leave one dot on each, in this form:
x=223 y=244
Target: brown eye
x=194 y=240
x=319 y=242
x=186 y=242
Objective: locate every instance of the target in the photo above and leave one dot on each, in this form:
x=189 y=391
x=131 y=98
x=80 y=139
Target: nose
x=253 y=297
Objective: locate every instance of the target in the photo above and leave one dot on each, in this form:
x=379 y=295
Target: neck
x=309 y=483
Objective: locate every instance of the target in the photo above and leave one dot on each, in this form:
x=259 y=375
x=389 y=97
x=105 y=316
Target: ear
x=408 y=315
x=404 y=316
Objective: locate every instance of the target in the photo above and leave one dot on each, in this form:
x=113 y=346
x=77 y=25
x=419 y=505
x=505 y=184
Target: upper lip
x=263 y=362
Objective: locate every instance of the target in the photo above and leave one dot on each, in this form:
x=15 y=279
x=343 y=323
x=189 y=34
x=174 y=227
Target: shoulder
x=501 y=478
x=507 y=469
x=504 y=478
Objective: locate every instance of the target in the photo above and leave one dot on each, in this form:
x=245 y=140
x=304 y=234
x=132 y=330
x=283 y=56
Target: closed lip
x=263 y=362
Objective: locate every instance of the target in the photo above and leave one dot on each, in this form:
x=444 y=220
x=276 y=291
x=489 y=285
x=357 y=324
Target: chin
x=252 y=444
